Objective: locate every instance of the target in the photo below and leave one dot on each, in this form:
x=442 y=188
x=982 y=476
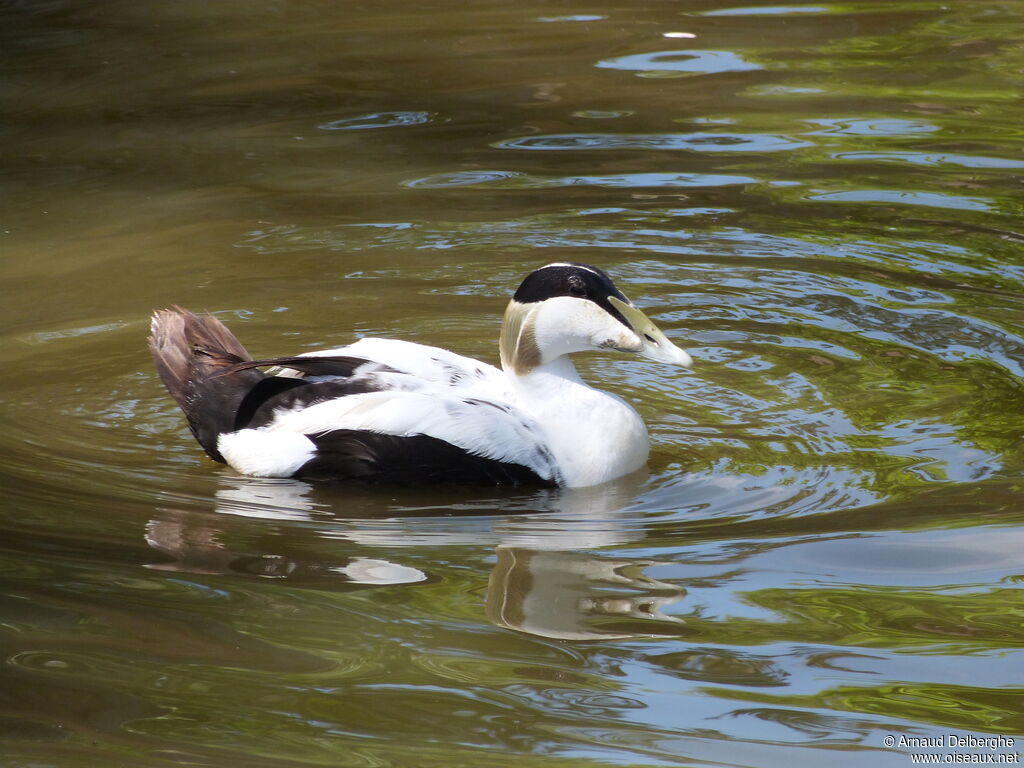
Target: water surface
x=821 y=202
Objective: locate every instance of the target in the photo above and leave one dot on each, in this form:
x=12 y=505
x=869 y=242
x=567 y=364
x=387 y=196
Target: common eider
x=386 y=411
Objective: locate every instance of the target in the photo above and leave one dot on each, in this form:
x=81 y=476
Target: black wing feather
x=324 y=365
x=294 y=395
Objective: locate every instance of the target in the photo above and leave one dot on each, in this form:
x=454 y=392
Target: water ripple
x=376 y=120
x=934 y=159
x=873 y=126
x=513 y=180
x=772 y=10
x=680 y=63
x=693 y=142
x=898 y=197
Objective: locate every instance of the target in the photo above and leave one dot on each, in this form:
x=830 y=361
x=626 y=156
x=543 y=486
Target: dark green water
x=822 y=202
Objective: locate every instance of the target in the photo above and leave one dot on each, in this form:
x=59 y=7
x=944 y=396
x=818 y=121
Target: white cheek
x=598 y=329
x=566 y=324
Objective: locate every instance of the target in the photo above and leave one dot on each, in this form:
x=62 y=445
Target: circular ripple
x=461 y=179
x=375 y=120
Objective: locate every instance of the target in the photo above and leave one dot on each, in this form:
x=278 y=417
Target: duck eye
x=576 y=287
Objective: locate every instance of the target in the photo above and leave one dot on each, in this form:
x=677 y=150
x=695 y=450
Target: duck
x=387 y=411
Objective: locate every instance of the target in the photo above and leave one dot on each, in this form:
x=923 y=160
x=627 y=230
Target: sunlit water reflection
x=820 y=202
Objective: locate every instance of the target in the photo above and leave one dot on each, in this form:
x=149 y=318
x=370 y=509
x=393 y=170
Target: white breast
x=594 y=436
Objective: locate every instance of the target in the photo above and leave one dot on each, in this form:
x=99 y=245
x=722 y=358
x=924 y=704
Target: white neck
x=556 y=372
x=595 y=436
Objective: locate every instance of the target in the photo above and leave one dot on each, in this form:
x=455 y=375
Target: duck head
x=569 y=307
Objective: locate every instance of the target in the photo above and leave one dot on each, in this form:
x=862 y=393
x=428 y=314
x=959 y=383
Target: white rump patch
x=266 y=454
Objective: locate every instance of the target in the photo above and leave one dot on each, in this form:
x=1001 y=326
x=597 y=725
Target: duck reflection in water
x=546 y=580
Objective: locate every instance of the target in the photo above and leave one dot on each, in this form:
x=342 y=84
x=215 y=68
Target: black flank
x=379 y=459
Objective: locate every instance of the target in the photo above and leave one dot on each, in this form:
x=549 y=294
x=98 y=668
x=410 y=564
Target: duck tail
x=195 y=356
